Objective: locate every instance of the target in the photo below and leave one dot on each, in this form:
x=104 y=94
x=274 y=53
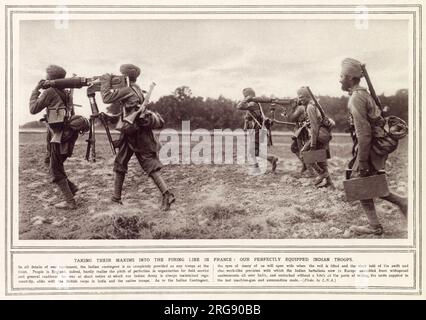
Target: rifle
x=316 y=102
x=371 y=88
x=141 y=112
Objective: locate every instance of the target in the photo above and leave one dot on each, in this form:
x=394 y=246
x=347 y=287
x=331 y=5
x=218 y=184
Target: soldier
x=365 y=116
x=254 y=120
x=298 y=115
x=314 y=124
x=63 y=131
x=137 y=137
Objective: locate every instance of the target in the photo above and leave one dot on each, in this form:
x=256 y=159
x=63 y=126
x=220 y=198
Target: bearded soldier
x=365 y=116
x=137 y=136
x=64 y=127
x=255 y=120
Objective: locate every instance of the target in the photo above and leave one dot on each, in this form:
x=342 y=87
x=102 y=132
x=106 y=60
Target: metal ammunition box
x=314 y=156
x=366 y=188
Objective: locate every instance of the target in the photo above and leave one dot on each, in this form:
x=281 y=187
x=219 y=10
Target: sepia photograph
x=179 y=150
x=213 y=128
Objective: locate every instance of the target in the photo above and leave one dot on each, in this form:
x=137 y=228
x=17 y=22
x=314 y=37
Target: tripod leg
x=93 y=142
x=89 y=140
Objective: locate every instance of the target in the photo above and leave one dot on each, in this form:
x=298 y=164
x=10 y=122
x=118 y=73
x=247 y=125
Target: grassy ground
x=213 y=201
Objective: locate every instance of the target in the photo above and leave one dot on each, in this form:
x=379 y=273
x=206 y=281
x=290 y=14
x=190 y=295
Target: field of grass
x=213 y=201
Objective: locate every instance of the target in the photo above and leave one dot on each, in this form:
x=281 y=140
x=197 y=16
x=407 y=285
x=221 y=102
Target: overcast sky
x=216 y=57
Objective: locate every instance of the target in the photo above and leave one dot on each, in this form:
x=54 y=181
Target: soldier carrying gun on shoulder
x=136 y=125
x=255 y=119
x=64 y=127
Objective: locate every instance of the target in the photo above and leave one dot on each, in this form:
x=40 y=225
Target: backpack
x=386 y=136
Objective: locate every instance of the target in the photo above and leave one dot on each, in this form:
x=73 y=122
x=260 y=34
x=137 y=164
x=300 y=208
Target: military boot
x=118 y=187
x=69 y=203
x=274 y=162
x=321 y=174
x=328 y=183
x=367 y=229
x=73 y=187
x=168 y=199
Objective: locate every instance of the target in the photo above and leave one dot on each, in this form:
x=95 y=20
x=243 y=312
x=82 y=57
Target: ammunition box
x=366 y=188
x=314 y=156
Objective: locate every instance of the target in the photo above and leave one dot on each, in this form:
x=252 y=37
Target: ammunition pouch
x=79 y=124
x=57 y=116
x=324 y=135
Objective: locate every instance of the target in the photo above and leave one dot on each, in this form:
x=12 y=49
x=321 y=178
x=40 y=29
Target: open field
x=213 y=201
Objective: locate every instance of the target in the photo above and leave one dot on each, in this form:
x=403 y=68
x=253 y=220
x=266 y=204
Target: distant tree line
x=221 y=113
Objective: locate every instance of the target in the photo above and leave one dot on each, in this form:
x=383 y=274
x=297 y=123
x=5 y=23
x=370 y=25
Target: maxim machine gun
x=93 y=85
x=274 y=102
x=268 y=122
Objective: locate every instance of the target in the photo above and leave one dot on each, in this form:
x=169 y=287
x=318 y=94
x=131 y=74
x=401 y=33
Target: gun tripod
x=91 y=140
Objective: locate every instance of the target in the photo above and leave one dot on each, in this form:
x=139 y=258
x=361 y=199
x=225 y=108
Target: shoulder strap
x=138 y=93
x=63 y=96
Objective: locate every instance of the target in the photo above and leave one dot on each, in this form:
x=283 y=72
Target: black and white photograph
x=124 y=133
x=258 y=149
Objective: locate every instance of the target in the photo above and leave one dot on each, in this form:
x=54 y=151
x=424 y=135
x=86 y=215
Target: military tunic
x=135 y=138
x=301 y=134
x=365 y=114
x=59 y=152
x=254 y=120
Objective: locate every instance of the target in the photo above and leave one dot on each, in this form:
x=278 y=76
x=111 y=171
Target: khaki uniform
x=365 y=113
x=134 y=139
x=255 y=120
x=301 y=133
x=314 y=120
x=59 y=152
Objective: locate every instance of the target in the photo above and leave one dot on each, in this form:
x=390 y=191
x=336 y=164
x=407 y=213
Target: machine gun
x=79 y=82
x=93 y=85
x=91 y=140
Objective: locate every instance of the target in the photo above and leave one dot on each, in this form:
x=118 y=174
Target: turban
x=55 y=72
x=130 y=70
x=303 y=92
x=352 y=67
x=249 y=92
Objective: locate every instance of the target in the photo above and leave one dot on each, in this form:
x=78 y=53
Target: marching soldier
x=64 y=127
x=365 y=116
x=314 y=122
x=254 y=119
x=301 y=135
x=136 y=136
